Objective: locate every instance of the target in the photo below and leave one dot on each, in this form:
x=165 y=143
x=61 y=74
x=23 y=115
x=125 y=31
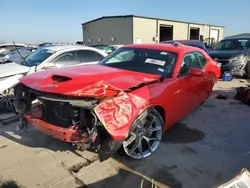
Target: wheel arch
x=161 y=111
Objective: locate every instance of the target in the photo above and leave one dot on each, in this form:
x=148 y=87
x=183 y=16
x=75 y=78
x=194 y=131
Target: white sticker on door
x=155 y=61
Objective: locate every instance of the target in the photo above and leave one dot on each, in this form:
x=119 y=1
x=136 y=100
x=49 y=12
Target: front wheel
x=145 y=135
x=6 y=99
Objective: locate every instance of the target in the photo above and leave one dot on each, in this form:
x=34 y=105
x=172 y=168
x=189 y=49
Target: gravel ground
x=206 y=149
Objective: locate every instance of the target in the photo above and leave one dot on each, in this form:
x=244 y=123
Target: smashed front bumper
x=71 y=134
x=99 y=124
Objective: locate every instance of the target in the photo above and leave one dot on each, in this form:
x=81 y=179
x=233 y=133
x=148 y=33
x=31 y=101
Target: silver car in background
x=44 y=58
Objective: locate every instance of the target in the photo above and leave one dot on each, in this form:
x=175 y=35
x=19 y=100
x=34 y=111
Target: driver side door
x=190 y=87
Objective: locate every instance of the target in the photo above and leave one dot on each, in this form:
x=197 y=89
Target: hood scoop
x=60 y=79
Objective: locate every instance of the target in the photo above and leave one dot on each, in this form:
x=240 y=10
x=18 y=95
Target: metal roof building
x=130 y=29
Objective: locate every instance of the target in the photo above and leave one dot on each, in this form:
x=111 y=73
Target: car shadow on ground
x=10 y=184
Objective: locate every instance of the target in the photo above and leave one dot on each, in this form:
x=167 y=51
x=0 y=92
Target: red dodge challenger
x=127 y=100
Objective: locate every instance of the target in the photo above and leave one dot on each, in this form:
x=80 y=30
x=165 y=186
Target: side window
x=202 y=59
x=189 y=61
x=86 y=56
x=65 y=59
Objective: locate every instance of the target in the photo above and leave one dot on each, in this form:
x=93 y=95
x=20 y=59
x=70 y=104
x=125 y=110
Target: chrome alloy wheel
x=145 y=137
x=7 y=98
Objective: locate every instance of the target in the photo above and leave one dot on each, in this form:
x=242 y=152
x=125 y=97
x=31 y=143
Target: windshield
x=233 y=44
x=37 y=57
x=142 y=60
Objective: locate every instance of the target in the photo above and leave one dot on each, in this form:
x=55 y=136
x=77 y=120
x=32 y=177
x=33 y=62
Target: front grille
x=57 y=113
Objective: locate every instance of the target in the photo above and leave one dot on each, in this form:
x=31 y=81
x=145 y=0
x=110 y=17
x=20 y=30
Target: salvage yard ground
x=206 y=149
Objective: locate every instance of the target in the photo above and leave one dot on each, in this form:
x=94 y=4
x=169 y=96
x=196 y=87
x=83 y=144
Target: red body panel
x=176 y=96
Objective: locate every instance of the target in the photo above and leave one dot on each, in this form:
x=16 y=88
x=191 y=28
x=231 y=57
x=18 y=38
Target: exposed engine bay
x=69 y=119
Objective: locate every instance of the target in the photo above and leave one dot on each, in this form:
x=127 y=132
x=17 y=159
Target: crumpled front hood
x=89 y=80
x=9 y=69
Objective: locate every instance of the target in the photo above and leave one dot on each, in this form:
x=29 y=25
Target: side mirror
x=49 y=66
x=195 y=72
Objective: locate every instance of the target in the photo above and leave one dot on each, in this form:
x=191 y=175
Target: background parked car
x=4 y=55
x=99 y=46
x=234 y=55
x=44 y=58
x=4 y=47
x=110 y=48
x=15 y=54
x=195 y=43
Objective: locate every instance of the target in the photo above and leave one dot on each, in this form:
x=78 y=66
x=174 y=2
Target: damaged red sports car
x=127 y=100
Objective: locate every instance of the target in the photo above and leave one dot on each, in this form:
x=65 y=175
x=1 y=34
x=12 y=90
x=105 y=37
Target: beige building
x=115 y=30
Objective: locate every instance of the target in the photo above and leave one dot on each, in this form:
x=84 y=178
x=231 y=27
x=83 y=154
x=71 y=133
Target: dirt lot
x=207 y=148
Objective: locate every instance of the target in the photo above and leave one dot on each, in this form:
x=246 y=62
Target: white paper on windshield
x=155 y=61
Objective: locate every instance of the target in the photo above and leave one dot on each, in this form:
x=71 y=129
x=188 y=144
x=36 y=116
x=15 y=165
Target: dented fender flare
x=117 y=114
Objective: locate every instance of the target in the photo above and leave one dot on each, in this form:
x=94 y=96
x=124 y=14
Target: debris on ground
x=240 y=181
x=220 y=96
x=243 y=95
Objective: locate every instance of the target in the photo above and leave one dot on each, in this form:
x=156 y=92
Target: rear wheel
x=145 y=135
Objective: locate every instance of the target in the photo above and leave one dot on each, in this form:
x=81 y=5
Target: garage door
x=215 y=34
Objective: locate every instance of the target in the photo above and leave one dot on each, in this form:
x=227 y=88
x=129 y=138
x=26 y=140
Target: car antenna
x=19 y=53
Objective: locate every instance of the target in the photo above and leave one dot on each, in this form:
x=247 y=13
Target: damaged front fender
x=118 y=113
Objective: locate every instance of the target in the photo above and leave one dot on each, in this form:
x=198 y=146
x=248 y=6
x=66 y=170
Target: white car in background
x=44 y=58
x=4 y=47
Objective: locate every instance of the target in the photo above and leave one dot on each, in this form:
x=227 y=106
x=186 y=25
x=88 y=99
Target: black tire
x=248 y=70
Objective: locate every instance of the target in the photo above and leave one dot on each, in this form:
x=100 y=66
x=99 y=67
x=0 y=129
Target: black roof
x=241 y=35
x=129 y=16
